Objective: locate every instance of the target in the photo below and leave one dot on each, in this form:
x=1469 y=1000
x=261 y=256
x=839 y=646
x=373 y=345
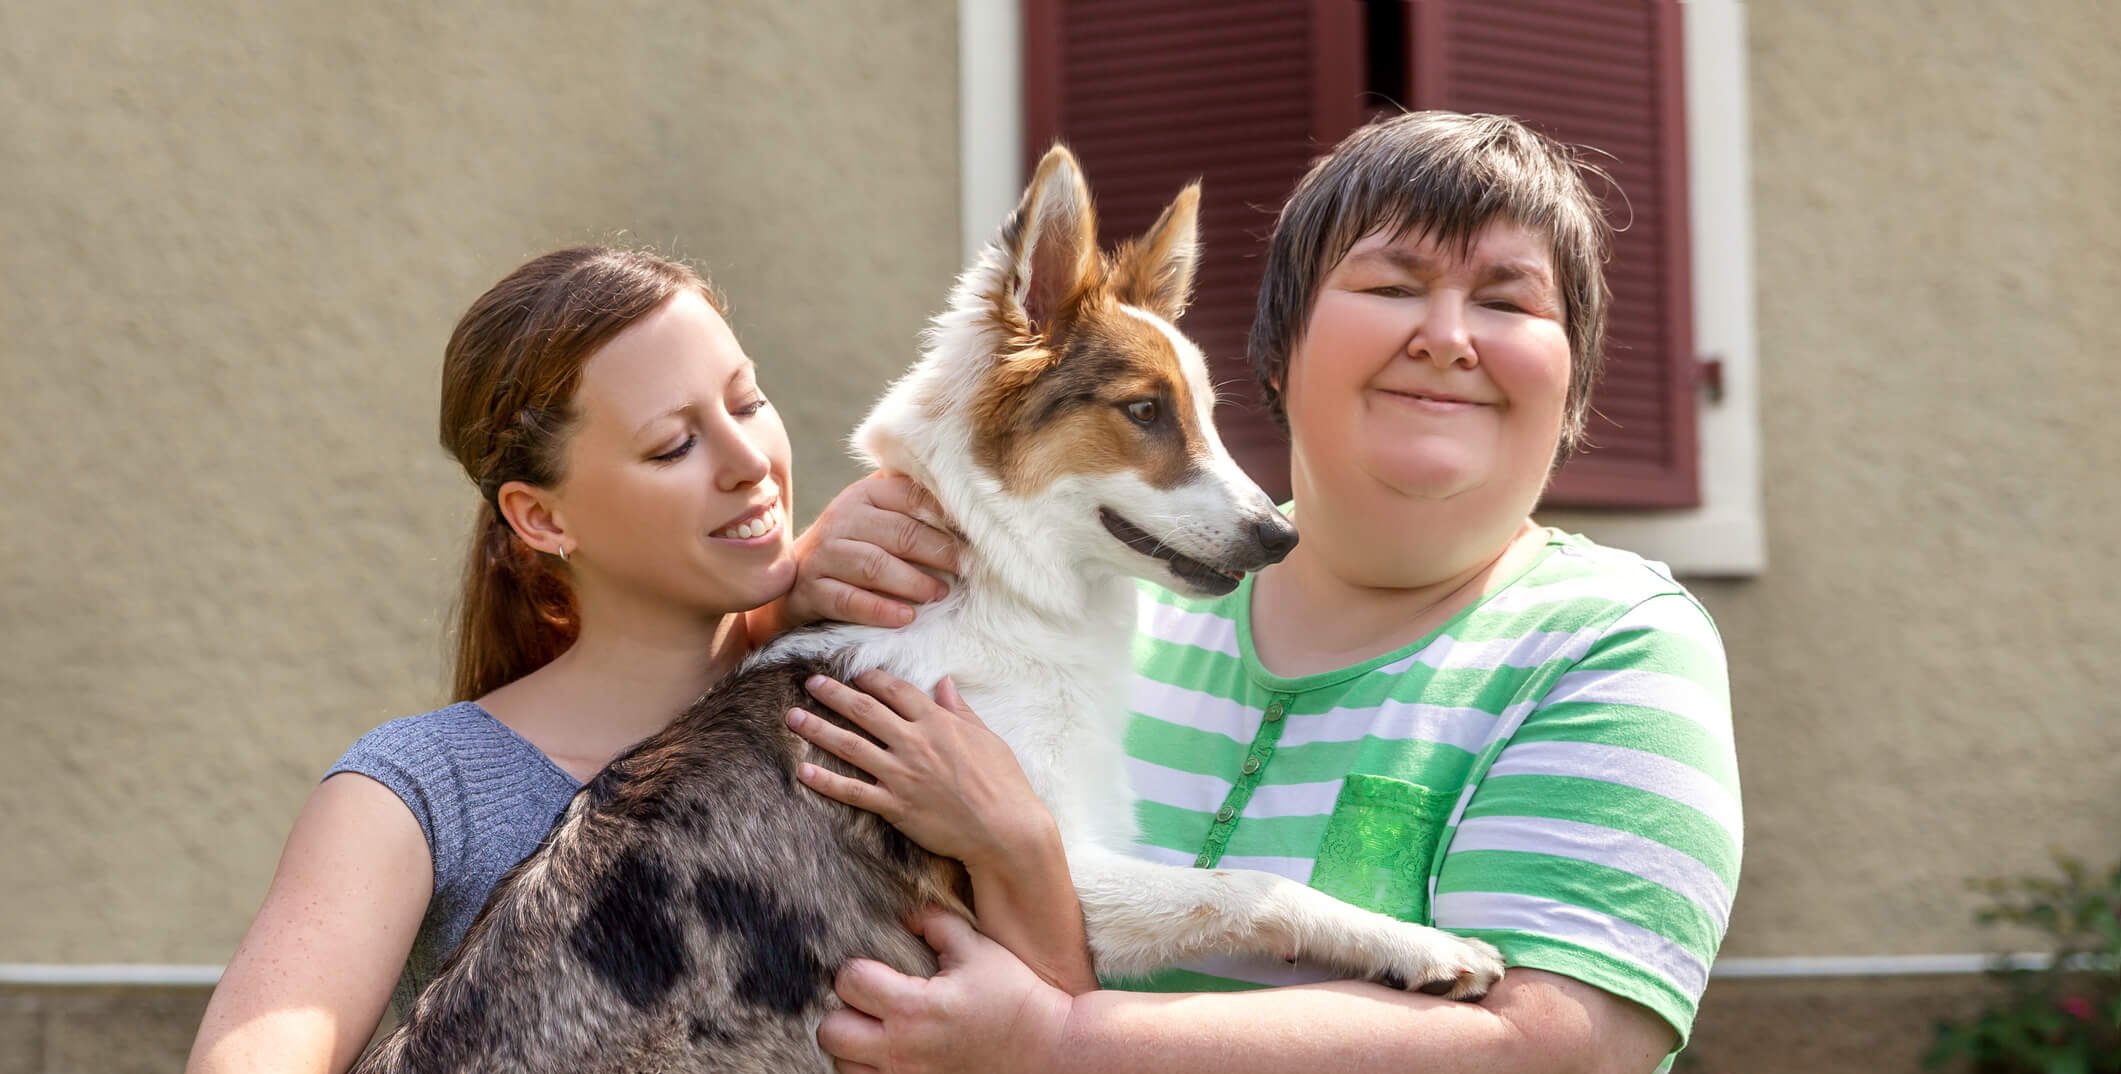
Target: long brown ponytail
x=508 y=386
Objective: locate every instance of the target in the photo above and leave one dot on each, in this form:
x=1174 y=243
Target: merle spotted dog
x=686 y=913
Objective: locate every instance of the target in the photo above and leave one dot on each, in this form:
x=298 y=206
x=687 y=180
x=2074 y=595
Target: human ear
x=533 y=514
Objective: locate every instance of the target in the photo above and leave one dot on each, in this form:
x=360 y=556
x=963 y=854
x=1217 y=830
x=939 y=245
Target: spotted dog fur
x=687 y=911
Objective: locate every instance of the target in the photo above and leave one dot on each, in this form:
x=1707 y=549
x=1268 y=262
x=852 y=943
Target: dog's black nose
x=1276 y=536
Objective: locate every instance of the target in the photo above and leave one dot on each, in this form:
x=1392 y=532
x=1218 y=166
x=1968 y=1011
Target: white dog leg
x=1142 y=916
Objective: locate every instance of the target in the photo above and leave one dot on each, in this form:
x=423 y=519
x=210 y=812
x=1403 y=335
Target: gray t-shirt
x=484 y=797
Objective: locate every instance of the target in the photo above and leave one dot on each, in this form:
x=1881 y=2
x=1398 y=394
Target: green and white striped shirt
x=1551 y=771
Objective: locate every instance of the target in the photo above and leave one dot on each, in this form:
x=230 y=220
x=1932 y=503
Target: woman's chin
x=1431 y=467
x=1432 y=478
x=752 y=585
x=775 y=579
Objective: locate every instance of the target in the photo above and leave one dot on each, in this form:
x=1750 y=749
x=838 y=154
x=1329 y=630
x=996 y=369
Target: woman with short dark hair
x=1434 y=707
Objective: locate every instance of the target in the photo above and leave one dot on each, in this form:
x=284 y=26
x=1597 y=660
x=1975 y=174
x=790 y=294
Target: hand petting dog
x=868 y=559
x=984 y=1011
x=953 y=786
x=941 y=776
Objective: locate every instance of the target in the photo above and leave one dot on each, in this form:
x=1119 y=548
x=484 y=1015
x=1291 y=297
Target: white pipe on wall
x=1871 y=965
x=148 y=975
x=108 y=975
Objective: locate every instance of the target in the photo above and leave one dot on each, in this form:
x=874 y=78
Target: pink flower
x=2077 y=1007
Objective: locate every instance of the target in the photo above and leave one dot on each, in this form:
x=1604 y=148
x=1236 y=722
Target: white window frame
x=1724 y=537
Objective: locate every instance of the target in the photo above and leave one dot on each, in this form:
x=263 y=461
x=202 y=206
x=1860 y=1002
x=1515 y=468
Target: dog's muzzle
x=1270 y=541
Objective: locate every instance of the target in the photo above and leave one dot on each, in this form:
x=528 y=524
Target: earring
x=563 y=553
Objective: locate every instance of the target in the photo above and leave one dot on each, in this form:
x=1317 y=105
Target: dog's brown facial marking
x=1091 y=380
x=1110 y=394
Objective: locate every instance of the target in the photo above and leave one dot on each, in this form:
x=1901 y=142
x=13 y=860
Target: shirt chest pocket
x=1379 y=843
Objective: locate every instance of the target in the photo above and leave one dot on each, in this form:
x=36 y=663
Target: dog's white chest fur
x=1056 y=696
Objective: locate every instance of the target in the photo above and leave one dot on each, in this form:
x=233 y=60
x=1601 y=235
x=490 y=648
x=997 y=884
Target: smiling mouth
x=1212 y=580
x=1444 y=400
x=751 y=526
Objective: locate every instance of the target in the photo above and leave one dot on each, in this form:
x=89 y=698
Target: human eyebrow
x=680 y=409
x=1398 y=257
x=1517 y=271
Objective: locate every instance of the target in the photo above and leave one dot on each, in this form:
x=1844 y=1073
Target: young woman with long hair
x=633 y=539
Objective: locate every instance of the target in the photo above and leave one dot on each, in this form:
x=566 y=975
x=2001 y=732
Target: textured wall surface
x=98 y=1030
x=1927 y=680
x=233 y=240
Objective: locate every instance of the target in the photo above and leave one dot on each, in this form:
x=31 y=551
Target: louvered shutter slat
x=1151 y=94
x=1604 y=74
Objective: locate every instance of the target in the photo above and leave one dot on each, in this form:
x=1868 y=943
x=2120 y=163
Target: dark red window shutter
x=1606 y=74
x=1242 y=94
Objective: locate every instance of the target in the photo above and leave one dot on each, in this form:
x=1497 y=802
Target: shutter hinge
x=1708 y=374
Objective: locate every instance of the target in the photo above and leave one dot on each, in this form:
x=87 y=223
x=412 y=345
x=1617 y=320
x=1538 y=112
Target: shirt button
x=1251 y=765
x=1274 y=712
x=1223 y=815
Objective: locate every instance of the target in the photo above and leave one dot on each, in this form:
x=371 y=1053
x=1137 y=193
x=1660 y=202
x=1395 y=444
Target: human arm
x=985 y=1010
x=1599 y=852
x=310 y=979
x=865 y=560
x=955 y=787
x=1603 y=841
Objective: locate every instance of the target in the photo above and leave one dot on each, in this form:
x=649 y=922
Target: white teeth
x=756 y=527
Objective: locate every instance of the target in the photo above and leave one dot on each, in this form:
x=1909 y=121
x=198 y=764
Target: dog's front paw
x=1440 y=964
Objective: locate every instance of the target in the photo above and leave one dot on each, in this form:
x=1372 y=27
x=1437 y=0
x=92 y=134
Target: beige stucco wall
x=1928 y=676
x=233 y=239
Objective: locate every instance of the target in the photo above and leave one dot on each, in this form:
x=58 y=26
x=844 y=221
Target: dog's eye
x=1143 y=411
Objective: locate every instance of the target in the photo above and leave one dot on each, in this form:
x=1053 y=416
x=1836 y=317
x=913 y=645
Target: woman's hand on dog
x=868 y=556
x=953 y=786
x=942 y=777
x=983 y=1011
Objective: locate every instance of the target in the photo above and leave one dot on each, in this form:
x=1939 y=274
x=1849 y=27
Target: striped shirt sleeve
x=1603 y=842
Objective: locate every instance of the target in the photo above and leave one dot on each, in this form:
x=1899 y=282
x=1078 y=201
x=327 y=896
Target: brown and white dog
x=691 y=905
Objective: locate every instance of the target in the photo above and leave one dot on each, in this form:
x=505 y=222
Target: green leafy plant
x=2060 y=1018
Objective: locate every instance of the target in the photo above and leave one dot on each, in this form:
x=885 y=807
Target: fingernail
x=814 y=681
x=901 y=614
x=796 y=717
x=807 y=773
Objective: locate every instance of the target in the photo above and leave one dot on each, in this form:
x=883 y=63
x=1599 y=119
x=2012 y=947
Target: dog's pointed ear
x=1051 y=242
x=1155 y=272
